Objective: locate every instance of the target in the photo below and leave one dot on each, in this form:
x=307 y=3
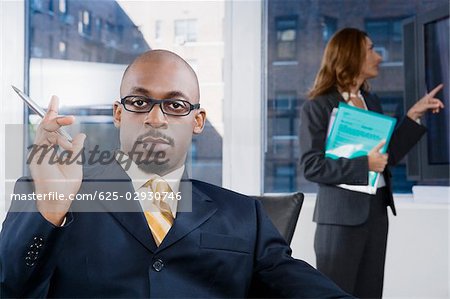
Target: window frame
x=244 y=111
x=12 y=55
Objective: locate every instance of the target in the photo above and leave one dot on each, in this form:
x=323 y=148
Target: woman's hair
x=342 y=62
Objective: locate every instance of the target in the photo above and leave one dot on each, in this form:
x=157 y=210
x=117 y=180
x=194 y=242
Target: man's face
x=162 y=140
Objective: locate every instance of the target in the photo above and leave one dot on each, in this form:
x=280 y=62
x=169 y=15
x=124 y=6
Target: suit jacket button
x=158 y=265
x=38 y=242
x=29 y=261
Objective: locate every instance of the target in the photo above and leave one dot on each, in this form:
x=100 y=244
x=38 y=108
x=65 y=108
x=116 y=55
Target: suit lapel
x=371 y=103
x=334 y=99
x=194 y=209
x=137 y=226
x=127 y=212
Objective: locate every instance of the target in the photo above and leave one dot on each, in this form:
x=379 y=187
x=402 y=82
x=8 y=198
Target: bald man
x=159 y=234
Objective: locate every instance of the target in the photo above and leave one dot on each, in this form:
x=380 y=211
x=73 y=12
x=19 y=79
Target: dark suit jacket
x=225 y=247
x=336 y=205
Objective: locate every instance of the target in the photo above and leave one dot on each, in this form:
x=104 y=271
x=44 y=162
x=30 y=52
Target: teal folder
x=354 y=133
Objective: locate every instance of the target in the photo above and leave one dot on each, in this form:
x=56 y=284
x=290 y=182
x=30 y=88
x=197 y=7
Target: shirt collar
x=346 y=95
x=139 y=177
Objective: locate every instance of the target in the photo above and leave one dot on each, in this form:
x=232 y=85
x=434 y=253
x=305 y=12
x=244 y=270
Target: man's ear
x=117 y=114
x=200 y=120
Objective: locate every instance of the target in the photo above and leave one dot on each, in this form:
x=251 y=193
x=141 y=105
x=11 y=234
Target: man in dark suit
x=211 y=243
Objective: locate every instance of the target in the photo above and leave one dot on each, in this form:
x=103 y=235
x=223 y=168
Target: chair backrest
x=283 y=210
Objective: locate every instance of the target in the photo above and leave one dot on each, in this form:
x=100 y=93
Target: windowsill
x=422 y=196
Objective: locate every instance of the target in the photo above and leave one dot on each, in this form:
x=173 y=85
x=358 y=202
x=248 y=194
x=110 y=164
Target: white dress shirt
x=139 y=178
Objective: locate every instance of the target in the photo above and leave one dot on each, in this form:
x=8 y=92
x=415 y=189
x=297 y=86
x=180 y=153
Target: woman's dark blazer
x=336 y=205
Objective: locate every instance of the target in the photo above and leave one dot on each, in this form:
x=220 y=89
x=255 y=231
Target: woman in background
x=352 y=227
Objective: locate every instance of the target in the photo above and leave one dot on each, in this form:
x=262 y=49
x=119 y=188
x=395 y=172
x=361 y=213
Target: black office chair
x=283 y=210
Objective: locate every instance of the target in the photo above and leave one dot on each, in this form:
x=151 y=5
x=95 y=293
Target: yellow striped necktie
x=160 y=218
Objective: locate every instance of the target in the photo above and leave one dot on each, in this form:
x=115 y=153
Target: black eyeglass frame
x=153 y=102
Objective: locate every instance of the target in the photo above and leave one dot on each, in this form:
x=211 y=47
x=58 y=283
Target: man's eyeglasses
x=174 y=107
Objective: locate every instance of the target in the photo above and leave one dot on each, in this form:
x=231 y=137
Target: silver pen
x=38 y=110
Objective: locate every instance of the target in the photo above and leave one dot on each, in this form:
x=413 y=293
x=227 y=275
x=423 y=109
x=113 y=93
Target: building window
x=282 y=145
x=62 y=47
x=285 y=100
x=120 y=33
x=36 y=5
x=110 y=27
x=98 y=28
x=286 y=31
x=62 y=6
x=51 y=8
x=285 y=177
x=185 y=31
x=329 y=27
x=84 y=23
x=386 y=35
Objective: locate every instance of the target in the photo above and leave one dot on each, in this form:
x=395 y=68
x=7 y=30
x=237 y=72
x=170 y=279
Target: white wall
x=418 y=250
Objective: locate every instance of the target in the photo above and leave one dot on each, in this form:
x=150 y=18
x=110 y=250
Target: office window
x=297 y=31
x=91 y=54
x=185 y=31
x=286 y=37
